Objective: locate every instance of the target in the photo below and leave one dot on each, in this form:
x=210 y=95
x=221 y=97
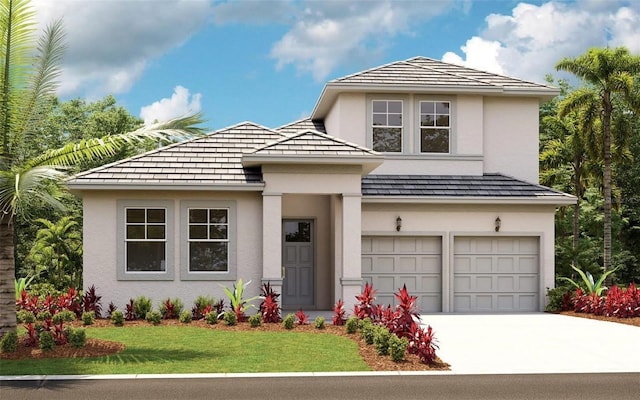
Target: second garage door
x=416 y=261
x=496 y=274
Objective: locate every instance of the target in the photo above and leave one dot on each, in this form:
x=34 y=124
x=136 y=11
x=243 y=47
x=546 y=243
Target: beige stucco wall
x=348 y=118
x=449 y=221
x=511 y=137
x=100 y=254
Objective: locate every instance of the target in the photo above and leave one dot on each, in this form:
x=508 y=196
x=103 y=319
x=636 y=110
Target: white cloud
x=529 y=42
x=180 y=103
x=110 y=43
x=328 y=34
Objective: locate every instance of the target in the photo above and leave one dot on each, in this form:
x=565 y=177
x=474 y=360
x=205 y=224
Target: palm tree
x=29 y=70
x=609 y=72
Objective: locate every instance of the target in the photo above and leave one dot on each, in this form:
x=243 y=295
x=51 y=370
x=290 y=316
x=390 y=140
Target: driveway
x=534 y=343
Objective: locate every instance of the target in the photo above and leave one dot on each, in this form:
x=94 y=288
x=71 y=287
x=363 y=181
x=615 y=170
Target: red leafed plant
x=129 y=313
x=92 y=302
x=301 y=317
x=32 y=335
x=269 y=307
x=423 y=344
x=365 y=308
x=168 y=310
x=622 y=303
x=339 y=317
x=112 y=307
x=403 y=320
x=270 y=310
x=69 y=301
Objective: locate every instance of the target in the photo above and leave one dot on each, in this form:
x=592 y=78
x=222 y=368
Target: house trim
x=567 y=200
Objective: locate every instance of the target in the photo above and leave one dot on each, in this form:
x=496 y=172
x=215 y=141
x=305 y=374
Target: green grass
x=173 y=349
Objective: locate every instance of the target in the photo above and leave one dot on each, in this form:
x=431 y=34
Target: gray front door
x=297 y=259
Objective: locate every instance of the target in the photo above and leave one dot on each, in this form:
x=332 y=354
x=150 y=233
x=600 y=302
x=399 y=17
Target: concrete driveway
x=534 y=343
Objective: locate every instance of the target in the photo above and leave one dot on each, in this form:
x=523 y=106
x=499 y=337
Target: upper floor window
x=146 y=239
x=435 y=126
x=208 y=240
x=387 y=125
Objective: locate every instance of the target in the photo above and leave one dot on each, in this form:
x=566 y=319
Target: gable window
x=435 y=126
x=146 y=239
x=208 y=240
x=386 y=119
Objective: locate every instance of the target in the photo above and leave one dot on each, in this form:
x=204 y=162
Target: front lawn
x=187 y=349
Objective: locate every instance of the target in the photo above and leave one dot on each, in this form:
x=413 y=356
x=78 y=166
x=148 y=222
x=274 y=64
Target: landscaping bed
x=98 y=347
x=635 y=321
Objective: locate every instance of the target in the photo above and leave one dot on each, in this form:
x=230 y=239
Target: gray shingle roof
x=302 y=125
x=488 y=185
x=212 y=159
x=422 y=71
x=312 y=143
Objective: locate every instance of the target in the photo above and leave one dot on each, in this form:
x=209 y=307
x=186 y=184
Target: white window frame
x=434 y=127
x=121 y=220
x=185 y=273
x=401 y=126
x=207 y=224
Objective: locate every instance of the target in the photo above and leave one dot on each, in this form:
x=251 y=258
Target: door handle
x=283 y=272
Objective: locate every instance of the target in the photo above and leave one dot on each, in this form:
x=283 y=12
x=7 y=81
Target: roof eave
x=368 y=163
x=85 y=186
x=546 y=200
x=332 y=89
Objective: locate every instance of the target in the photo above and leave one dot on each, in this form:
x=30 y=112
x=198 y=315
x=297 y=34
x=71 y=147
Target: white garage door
x=496 y=274
x=391 y=262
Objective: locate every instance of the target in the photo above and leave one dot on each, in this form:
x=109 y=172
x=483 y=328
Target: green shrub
x=255 y=320
x=88 y=317
x=368 y=331
x=556 y=297
x=153 y=317
x=211 y=318
x=185 y=317
x=43 y=315
x=319 y=322
x=43 y=289
x=64 y=316
x=230 y=318
x=141 y=306
x=289 y=321
x=398 y=348
x=25 y=317
x=381 y=340
x=117 y=318
x=77 y=337
x=46 y=341
x=352 y=325
x=9 y=342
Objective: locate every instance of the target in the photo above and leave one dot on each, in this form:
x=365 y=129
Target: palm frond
x=106 y=146
x=42 y=85
x=20 y=188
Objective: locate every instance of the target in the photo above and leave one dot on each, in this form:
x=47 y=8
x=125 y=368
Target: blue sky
x=267 y=60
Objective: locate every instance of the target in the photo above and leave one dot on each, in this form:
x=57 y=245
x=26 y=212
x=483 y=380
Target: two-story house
x=416 y=173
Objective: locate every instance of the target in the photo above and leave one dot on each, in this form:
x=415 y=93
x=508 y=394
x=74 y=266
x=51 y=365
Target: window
x=146 y=239
x=435 y=126
x=386 y=119
x=208 y=239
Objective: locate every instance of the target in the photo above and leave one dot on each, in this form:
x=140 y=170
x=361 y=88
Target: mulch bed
x=98 y=347
x=635 y=321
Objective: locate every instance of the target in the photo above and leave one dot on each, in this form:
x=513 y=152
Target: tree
x=29 y=70
x=58 y=251
x=609 y=72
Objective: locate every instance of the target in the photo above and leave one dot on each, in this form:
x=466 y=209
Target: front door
x=297 y=259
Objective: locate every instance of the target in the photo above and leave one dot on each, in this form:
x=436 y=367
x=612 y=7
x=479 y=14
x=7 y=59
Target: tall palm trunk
x=7 y=278
x=606 y=122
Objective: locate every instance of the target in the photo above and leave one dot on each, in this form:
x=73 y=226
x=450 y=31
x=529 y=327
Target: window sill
x=146 y=276
x=431 y=156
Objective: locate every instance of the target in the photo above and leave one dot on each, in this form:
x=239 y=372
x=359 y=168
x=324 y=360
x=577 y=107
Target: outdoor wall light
x=498 y=224
x=398 y=224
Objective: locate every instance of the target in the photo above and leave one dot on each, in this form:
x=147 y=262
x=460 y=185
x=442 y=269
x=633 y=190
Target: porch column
x=272 y=240
x=351 y=279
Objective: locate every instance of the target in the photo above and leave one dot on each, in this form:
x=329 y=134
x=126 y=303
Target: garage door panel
x=496 y=274
x=415 y=262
